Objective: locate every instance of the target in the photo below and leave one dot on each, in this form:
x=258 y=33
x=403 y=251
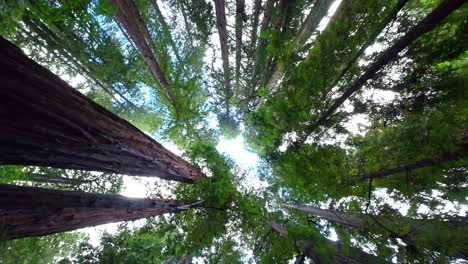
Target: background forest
x=311 y=131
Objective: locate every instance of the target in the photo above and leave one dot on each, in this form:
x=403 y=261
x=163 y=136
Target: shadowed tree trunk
x=220 y=6
x=166 y=28
x=31 y=211
x=419 y=233
x=318 y=12
x=309 y=248
x=391 y=16
x=261 y=45
x=45 y=122
x=256 y=18
x=426 y=25
x=240 y=17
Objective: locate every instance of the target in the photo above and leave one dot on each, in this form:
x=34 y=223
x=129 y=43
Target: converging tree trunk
x=240 y=17
x=318 y=12
x=220 y=6
x=132 y=21
x=417 y=232
x=312 y=249
x=31 y=211
x=45 y=122
x=426 y=25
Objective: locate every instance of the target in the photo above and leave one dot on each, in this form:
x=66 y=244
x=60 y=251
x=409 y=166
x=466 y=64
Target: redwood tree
x=45 y=122
x=31 y=211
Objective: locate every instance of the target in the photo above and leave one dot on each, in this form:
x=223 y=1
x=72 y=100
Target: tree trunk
x=256 y=18
x=45 y=122
x=318 y=12
x=416 y=165
x=31 y=211
x=223 y=40
x=166 y=29
x=240 y=16
x=308 y=247
x=391 y=16
x=261 y=45
x=130 y=18
x=332 y=215
x=420 y=233
x=426 y=25
x=37 y=177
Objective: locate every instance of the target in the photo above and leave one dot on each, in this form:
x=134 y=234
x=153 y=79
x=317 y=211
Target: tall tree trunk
x=54 y=42
x=256 y=18
x=240 y=17
x=31 y=211
x=308 y=247
x=318 y=12
x=45 y=122
x=261 y=45
x=166 y=29
x=420 y=233
x=332 y=215
x=426 y=25
x=131 y=20
x=391 y=16
x=220 y=6
x=416 y=165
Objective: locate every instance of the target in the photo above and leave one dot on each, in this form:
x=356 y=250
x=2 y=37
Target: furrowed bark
x=45 y=122
x=223 y=40
x=426 y=25
x=31 y=211
x=131 y=20
x=240 y=16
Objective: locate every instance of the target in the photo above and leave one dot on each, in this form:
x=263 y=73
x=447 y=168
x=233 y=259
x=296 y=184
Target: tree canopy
x=356 y=109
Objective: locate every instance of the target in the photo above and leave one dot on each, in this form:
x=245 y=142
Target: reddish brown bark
x=424 y=26
x=131 y=20
x=240 y=17
x=31 y=211
x=46 y=122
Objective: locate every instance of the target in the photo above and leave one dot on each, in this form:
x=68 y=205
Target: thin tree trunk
x=318 y=12
x=240 y=16
x=45 y=122
x=131 y=20
x=391 y=16
x=53 y=41
x=308 y=247
x=426 y=25
x=416 y=165
x=31 y=211
x=256 y=18
x=37 y=177
x=166 y=29
x=223 y=40
x=420 y=230
x=332 y=215
x=261 y=45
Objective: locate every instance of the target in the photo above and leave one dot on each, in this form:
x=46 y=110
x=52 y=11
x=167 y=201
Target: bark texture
x=31 y=211
x=221 y=23
x=45 y=122
x=424 y=26
x=134 y=25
